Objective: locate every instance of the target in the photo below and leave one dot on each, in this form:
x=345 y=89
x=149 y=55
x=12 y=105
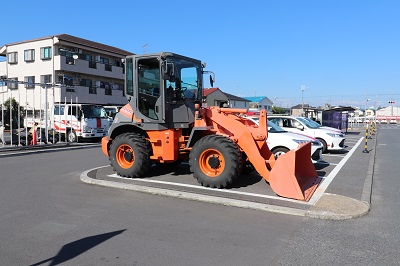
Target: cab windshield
x=184 y=79
x=94 y=111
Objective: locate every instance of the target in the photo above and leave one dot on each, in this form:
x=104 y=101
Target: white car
x=280 y=141
x=331 y=140
x=319 y=125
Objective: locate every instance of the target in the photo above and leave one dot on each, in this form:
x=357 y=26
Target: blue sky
x=342 y=52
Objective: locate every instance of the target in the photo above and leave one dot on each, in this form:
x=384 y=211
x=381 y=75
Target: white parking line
x=317 y=195
x=327 y=180
x=334 y=155
x=211 y=189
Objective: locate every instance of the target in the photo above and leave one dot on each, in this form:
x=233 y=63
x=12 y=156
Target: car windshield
x=94 y=111
x=308 y=123
x=274 y=128
x=312 y=122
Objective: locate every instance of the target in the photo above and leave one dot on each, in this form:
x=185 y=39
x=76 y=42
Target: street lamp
x=303 y=88
x=365 y=110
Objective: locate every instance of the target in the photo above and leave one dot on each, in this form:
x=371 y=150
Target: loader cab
x=162 y=89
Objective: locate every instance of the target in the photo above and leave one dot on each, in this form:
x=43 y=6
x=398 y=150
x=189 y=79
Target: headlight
x=300 y=141
x=87 y=129
x=316 y=143
x=333 y=135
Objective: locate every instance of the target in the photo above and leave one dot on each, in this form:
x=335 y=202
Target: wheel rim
x=125 y=156
x=71 y=137
x=212 y=162
x=278 y=154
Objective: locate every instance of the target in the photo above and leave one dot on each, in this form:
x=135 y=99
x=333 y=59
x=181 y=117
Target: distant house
x=260 y=102
x=300 y=109
x=216 y=97
x=237 y=102
x=213 y=97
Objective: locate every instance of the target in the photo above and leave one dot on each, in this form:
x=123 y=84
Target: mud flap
x=294 y=175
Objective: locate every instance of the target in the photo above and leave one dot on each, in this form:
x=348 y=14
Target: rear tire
x=130 y=155
x=215 y=161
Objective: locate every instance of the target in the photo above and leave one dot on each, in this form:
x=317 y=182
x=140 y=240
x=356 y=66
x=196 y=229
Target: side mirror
x=169 y=73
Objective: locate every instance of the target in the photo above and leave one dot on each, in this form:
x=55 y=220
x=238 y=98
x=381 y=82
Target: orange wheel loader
x=164 y=122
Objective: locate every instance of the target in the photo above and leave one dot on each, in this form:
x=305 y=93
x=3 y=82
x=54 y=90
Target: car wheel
x=279 y=151
x=324 y=145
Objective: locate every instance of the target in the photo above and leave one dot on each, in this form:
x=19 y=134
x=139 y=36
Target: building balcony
x=87 y=67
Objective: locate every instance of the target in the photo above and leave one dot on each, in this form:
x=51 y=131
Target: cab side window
x=149 y=87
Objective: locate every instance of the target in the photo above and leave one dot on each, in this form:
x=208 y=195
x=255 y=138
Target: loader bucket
x=294 y=175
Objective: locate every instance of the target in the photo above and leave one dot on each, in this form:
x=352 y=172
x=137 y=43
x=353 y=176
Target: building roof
x=208 y=91
x=80 y=41
x=235 y=98
x=255 y=99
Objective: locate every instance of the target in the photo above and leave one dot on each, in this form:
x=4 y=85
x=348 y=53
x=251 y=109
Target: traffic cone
x=34 y=138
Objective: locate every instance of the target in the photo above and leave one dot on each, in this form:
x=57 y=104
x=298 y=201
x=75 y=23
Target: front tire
x=130 y=155
x=324 y=145
x=280 y=151
x=215 y=161
x=71 y=136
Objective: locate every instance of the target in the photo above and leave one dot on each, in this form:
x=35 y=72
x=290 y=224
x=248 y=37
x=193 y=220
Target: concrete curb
x=320 y=210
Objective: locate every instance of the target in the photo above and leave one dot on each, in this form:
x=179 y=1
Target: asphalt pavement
x=344 y=192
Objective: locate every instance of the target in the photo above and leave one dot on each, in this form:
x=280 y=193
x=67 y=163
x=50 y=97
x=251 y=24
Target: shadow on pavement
x=74 y=249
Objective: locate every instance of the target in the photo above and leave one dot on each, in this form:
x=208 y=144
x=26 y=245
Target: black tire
x=280 y=151
x=215 y=161
x=324 y=145
x=247 y=165
x=71 y=136
x=130 y=155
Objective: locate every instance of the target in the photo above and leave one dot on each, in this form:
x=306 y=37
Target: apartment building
x=40 y=73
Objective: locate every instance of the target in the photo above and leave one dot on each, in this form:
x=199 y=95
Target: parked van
x=331 y=140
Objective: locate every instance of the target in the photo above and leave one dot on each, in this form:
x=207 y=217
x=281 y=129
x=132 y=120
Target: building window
x=104 y=60
x=29 y=55
x=92 y=64
x=12 y=83
x=108 y=90
x=66 y=80
x=85 y=83
x=92 y=90
x=29 y=82
x=45 y=79
x=45 y=53
x=12 y=58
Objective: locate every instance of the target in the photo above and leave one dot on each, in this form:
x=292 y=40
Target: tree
x=278 y=110
x=14 y=106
